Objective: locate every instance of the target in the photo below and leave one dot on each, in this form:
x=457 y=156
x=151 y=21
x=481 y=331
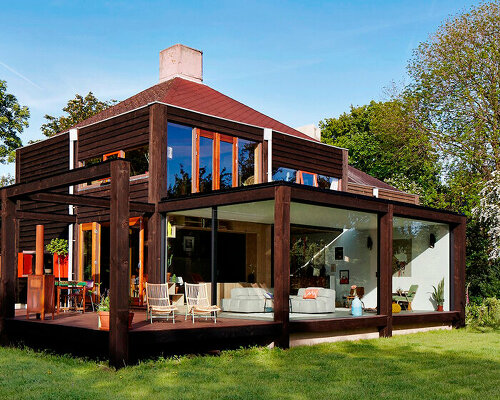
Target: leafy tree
x=6 y=180
x=384 y=141
x=456 y=81
x=78 y=109
x=13 y=120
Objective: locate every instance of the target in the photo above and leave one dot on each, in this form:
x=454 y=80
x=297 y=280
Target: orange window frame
x=300 y=177
x=216 y=139
x=119 y=153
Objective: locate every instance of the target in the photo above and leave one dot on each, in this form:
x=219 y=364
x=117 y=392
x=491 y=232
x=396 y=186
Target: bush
x=484 y=314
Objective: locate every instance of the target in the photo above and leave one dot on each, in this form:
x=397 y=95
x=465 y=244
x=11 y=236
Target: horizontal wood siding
x=124 y=132
x=360 y=189
x=292 y=152
x=393 y=195
x=185 y=117
x=34 y=162
x=138 y=192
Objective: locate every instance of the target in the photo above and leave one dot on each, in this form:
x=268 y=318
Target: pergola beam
x=88 y=201
x=37 y=216
x=73 y=177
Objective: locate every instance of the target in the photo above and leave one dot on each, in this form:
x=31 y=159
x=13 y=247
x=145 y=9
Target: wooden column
x=282 y=263
x=157 y=185
x=343 y=184
x=459 y=246
x=9 y=263
x=213 y=260
x=39 y=250
x=384 y=291
x=119 y=263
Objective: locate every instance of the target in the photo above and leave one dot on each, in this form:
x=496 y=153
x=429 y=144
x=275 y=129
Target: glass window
x=247 y=162
x=205 y=164
x=327 y=182
x=284 y=174
x=333 y=249
x=139 y=160
x=307 y=178
x=421 y=260
x=179 y=160
x=226 y=164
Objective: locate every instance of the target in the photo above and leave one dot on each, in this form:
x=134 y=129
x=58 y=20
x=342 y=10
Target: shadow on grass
x=440 y=365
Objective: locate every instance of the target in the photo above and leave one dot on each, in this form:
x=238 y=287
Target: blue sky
x=298 y=62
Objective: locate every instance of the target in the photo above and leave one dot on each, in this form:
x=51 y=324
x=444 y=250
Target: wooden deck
x=78 y=334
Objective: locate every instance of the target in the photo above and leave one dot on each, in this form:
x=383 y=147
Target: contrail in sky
x=20 y=75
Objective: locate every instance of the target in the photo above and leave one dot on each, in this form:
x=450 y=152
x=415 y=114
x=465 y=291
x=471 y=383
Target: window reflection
x=247 y=166
x=179 y=160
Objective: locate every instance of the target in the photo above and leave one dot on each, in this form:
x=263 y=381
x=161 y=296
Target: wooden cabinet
x=40 y=295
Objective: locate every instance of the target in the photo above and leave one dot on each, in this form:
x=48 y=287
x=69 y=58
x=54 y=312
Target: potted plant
x=438 y=295
x=59 y=250
x=103 y=314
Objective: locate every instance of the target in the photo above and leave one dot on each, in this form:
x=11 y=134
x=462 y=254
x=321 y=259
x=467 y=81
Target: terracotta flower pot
x=103 y=320
x=440 y=307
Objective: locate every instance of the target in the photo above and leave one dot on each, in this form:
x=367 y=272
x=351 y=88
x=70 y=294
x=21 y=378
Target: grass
x=458 y=364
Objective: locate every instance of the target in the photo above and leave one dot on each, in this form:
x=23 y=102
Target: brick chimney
x=181 y=61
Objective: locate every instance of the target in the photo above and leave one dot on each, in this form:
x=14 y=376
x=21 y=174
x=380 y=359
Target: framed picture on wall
x=344 y=276
x=188 y=243
x=339 y=253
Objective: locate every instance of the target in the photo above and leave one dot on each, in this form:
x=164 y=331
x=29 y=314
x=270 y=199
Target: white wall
x=359 y=260
x=428 y=265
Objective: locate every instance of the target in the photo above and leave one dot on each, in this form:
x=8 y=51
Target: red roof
x=196 y=97
x=362 y=178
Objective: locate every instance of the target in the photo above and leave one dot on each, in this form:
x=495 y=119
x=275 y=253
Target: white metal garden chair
x=197 y=302
x=158 y=302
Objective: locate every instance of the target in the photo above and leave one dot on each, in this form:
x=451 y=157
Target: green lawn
x=455 y=364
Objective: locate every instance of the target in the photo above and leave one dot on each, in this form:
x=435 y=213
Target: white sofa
x=323 y=303
x=246 y=300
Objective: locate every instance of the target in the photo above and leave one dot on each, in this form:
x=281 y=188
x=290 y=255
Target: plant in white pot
x=59 y=249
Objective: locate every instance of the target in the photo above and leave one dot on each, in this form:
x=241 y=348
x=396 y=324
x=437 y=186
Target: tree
x=384 y=141
x=456 y=80
x=13 y=120
x=78 y=109
x=6 y=180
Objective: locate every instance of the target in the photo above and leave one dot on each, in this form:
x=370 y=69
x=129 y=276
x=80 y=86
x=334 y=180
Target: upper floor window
x=201 y=161
x=305 y=178
x=179 y=159
x=138 y=157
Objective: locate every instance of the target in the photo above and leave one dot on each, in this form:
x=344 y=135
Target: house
x=276 y=222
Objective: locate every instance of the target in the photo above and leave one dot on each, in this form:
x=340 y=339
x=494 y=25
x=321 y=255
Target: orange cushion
x=310 y=294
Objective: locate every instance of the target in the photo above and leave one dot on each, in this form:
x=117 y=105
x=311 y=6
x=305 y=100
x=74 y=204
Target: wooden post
x=157 y=185
x=343 y=184
x=119 y=263
x=459 y=242
x=9 y=264
x=39 y=250
x=282 y=263
x=141 y=260
x=213 y=261
x=384 y=273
